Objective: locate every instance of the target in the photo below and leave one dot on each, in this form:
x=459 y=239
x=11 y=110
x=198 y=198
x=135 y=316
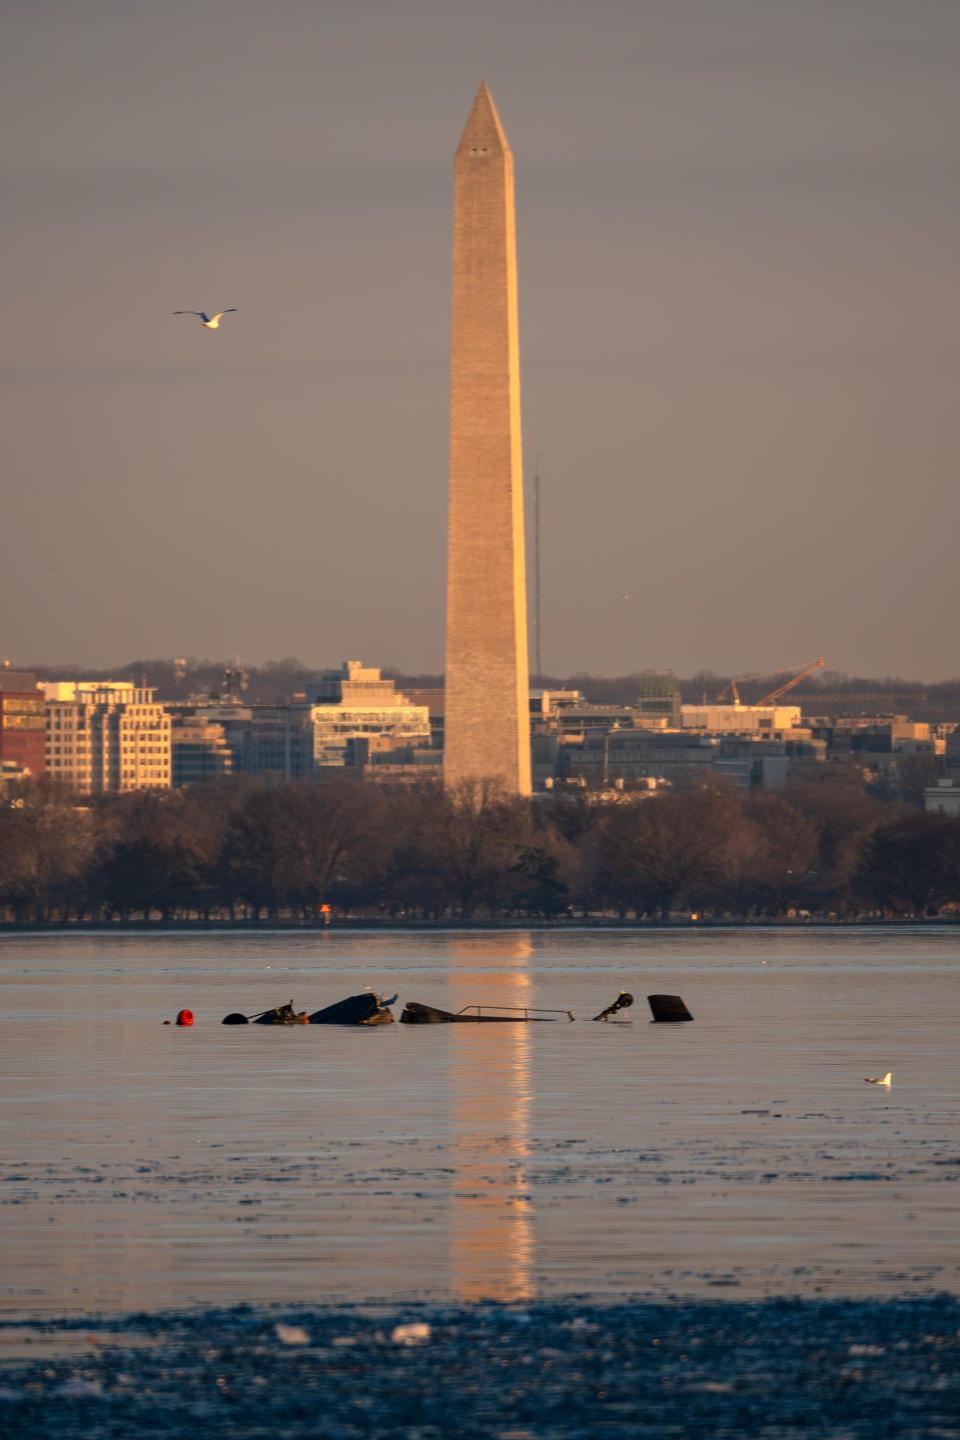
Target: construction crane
x=782 y=689
x=731 y=685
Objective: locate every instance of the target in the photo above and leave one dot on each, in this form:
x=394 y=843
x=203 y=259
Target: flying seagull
x=210 y=322
x=879 y=1080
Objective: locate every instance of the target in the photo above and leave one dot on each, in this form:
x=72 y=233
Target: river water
x=146 y=1166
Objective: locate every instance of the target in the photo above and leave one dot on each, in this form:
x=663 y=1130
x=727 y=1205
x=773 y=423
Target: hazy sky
x=739 y=257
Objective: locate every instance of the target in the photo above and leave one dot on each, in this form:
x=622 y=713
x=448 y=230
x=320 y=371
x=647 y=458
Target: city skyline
x=738 y=236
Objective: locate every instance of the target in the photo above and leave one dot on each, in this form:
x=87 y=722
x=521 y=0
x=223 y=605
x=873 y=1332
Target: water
x=146 y=1166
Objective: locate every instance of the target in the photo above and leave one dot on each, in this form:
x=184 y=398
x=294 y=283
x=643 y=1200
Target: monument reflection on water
x=147 y=1167
x=491 y=1218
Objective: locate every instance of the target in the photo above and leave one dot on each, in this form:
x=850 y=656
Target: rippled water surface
x=146 y=1166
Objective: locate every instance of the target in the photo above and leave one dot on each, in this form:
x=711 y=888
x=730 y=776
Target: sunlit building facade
x=355 y=703
x=107 y=737
x=23 y=724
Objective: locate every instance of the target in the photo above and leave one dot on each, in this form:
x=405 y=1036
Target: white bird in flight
x=879 y=1079
x=210 y=322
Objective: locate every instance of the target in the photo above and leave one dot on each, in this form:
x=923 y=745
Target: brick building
x=23 y=721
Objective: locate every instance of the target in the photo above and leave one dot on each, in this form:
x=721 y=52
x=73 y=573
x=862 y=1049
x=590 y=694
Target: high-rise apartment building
x=107 y=737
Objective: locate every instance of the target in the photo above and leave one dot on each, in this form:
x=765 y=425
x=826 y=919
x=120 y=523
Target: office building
x=23 y=724
x=356 y=703
x=658 y=699
x=198 y=751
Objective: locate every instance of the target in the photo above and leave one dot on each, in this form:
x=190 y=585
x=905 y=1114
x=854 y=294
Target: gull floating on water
x=879 y=1080
x=210 y=322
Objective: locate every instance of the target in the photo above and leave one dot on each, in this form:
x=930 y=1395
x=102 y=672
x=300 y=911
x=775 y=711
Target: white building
x=107 y=736
x=942 y=799
x=354 y=702
x=741 y=719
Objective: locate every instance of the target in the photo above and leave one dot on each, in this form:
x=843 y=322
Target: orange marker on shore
x=184 y=1017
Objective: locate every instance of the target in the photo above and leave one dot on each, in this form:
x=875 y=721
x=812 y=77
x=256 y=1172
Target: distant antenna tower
x=538 y=662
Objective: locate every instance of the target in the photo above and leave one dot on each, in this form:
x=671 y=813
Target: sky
x=739 y=261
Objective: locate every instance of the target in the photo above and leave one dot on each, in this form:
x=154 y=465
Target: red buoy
x=184 y=1017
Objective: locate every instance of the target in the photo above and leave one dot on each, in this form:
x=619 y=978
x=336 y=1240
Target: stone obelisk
x=487 y=708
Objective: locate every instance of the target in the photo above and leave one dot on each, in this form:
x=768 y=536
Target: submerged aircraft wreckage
x=369 y=1008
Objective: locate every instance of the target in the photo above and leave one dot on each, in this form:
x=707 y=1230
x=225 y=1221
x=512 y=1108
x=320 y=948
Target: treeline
x=272 y=683
x=247 y=850
x=275 y=681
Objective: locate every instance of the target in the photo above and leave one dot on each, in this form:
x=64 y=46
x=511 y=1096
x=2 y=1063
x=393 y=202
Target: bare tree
x=46 y=844
x=672 y=847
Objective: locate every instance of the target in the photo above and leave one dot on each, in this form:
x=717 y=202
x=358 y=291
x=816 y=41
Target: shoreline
x=401 y=926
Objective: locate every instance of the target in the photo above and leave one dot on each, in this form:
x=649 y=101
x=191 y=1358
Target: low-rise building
x=11 y=773
x=752 y=772
x=272 y=740
x=895 y=735
x=277 y=740
x=670 y=755
x=741 y=719
x=943 y=799
x=566 y=714
x=676 y=758
x=198 y=750
x=355 y=702
x=388 y=759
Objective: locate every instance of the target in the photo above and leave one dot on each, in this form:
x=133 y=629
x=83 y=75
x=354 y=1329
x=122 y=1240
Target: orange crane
x=782 y=689
x=731 y=685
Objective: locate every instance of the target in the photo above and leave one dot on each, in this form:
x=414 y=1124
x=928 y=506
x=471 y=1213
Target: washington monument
x=487 y=724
